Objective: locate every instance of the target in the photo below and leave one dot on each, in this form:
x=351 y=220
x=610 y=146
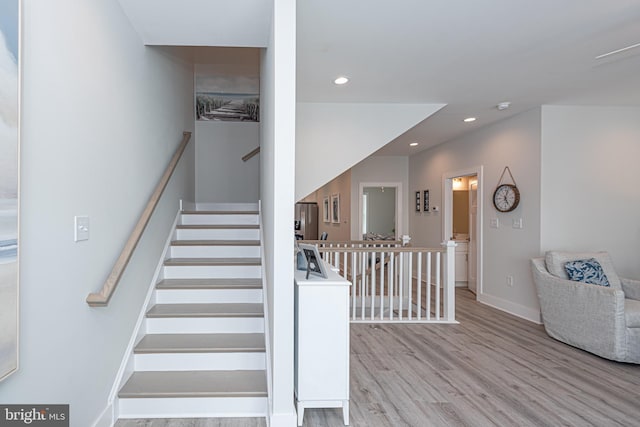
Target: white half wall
x=277 y=166
x=514 y=142
x=590 y=197
x=101 y=117
x=221 y=175
x=332 y=137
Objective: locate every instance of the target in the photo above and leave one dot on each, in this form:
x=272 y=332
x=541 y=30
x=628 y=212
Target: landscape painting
x=9 y=32
x=224 y=94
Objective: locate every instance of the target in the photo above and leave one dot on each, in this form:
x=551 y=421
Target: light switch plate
x=81 y=228
x=517 y=223
x=494 y=223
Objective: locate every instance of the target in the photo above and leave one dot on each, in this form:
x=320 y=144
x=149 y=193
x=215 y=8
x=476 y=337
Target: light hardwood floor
x=492 y=369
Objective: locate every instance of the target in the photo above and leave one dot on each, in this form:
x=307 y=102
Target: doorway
x=380 y=211
x=463 y=189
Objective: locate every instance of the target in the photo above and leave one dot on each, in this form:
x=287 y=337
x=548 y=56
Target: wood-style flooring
x=492 y=369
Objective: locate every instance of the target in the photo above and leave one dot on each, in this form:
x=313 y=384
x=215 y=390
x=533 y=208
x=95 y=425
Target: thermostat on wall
x=435 y=209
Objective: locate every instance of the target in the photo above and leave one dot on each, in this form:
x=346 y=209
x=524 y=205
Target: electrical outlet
x=510 y=281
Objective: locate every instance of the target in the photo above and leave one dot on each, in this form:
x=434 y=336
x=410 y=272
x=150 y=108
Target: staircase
x=202 y=353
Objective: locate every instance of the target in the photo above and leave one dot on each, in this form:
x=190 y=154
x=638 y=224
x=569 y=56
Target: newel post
x=450 y=282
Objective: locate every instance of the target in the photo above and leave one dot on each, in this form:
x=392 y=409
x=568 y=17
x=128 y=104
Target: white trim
x=265 y=311
x=126 y=365
x=526 y=313
x=399 y=205
x=106 y=418
x=282 y=420
x=447 y=219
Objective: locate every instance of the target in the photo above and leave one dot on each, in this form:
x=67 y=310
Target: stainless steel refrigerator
x=306 y=224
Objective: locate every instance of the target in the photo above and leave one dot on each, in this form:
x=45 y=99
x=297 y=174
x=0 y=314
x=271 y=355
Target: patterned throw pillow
x=587 y=271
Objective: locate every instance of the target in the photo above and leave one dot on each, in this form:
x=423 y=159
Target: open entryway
x=380 y=210
x=462 y=220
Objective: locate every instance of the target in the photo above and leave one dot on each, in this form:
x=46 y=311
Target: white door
x=473 y=239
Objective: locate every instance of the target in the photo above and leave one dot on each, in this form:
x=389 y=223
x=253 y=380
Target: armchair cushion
x=632 y=313
x=586 y=271
x=555 y=262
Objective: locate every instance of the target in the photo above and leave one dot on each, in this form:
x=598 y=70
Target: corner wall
x=277 y=173
x=342 y=186
x=513 y=142
x=101 y=117
x=590 y=198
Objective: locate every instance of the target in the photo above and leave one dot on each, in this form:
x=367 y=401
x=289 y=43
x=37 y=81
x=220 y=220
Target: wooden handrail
x=251 y=154
x=101 y=298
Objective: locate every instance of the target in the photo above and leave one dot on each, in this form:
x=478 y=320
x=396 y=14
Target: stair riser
x=207 y=272
x=218 y=234
x=193 y=407
x=200 y=361
x=205 y=325
x=178 y=296
x=215 y=251
x=213 y=219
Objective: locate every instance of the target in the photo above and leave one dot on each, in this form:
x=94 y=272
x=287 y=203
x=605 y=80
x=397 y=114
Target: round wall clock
x=506 y=197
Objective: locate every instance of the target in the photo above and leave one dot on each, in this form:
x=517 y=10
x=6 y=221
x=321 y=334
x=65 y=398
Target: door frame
x=447 y=215
x=399 y=212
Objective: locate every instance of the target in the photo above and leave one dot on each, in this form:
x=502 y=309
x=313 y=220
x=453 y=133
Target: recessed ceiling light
x=341 y=80
x=413 y=144
x=469 y=119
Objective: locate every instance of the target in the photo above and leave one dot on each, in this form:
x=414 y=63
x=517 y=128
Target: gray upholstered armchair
x=601 y=320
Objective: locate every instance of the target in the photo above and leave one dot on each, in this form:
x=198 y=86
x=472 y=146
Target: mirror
x=379 y=213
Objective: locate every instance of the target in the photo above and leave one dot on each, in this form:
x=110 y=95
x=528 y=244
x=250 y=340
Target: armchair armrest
x=631 y=288
x=586 y=316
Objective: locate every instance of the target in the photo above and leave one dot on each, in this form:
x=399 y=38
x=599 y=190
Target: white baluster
x=437 y=286
x=419 y=284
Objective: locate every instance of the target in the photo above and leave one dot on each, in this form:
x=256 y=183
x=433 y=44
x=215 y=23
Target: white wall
x=102 y=115
x=513 y=142
x=377 y=169
x=590 y=197
x=221 y=175
x=277 y=169
x=332 y=137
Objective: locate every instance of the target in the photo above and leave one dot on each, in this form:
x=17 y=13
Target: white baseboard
x=289 y=419
x=106 y=418
x=126 y=366
x=526 y=313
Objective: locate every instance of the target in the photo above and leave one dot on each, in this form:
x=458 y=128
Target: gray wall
x=590 y=198
x=221 y=174
x=513 y=142
x=102 y=115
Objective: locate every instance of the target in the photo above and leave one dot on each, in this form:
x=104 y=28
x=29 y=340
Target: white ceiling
x=467 y=54
x=470 y=55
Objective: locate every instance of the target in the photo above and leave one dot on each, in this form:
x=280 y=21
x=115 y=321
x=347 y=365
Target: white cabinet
x=462 y=251
x=321 y=343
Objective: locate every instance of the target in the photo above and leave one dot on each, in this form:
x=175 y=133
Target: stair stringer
x=127 y=364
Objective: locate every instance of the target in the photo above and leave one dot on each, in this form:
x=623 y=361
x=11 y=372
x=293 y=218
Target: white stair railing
x=392 y=283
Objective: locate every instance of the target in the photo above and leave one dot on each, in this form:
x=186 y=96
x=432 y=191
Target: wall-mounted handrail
x=101 y=298
x=251 y=154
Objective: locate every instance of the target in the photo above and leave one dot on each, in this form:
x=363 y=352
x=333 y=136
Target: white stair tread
x=200 y=343
x=220 y=212
x=210 y=284
x=171 y=384
x=215 y=243
x=206 y=310
x=212 y=261
x=217 y=226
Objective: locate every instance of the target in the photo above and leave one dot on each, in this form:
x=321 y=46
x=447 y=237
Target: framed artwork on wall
x=325 y=209
x=426 y=201
x=417 y=201
x=9 y=142
x=335 y=208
